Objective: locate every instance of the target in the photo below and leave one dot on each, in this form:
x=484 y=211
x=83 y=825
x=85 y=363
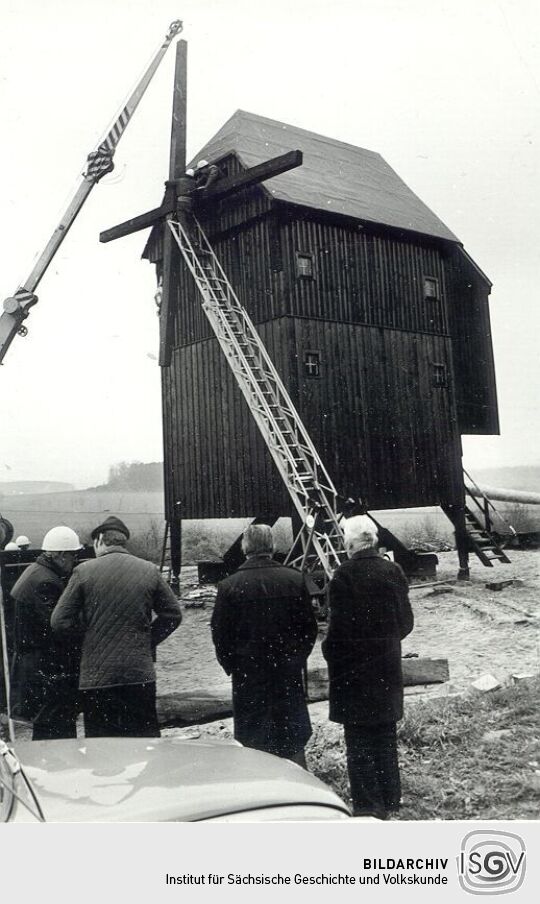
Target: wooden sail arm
x=143 y=220
x=260 y=173
x=216 y=192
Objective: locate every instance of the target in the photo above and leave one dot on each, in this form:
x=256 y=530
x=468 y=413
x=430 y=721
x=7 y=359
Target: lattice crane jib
x=99 y=162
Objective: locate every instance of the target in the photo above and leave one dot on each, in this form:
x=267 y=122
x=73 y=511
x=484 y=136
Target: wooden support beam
x=177 y=154
x=253 y=175
x=198 y=705
x=176 y=546
x=177 y=169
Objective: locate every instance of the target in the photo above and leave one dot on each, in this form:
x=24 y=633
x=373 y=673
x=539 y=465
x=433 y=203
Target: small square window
x=431 y=288
x=304 y=265
x=440 y=376
x=312 y=364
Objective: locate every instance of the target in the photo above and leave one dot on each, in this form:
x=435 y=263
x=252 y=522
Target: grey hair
x=360 y=533
x=113 y=538
x=257 y=540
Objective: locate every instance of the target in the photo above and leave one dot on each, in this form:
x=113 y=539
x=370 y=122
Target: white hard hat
x=22 y=541
x=202 y=163
x=10 y=547
x=61 y=539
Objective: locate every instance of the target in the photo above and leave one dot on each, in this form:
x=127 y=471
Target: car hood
x=162 y=779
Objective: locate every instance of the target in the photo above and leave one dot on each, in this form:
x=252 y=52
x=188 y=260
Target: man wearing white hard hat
x=23 y=542
x=44 y=678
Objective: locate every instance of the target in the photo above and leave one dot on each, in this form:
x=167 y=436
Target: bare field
x=476 y=629
x=34 y=515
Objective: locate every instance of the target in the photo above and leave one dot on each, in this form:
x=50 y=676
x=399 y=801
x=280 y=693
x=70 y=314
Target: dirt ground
x=479 y=631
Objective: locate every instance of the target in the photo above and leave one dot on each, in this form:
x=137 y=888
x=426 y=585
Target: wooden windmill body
x=374 y=315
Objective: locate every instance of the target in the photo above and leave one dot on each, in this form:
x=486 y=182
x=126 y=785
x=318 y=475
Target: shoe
x=375 y=814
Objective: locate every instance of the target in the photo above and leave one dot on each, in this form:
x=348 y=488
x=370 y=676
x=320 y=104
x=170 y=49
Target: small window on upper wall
x=440 y=376
x=304 y=265
x=431 y=288
x=312 y=364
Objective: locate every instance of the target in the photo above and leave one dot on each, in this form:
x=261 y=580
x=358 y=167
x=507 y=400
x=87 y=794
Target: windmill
x=378 y=326
x=319 y=542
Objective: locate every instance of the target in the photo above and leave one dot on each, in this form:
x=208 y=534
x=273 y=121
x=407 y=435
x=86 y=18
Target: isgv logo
x=491 y=863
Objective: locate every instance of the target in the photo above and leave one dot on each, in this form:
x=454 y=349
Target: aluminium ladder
x=307 y=481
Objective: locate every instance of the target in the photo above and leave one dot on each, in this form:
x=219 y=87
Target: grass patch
x=471 y=757
x=427 y=535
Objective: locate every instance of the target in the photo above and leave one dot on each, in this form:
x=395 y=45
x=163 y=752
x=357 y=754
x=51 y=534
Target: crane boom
x=99 y=162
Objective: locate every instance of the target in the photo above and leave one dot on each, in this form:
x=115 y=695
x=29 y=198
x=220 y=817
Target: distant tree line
x=134 y=475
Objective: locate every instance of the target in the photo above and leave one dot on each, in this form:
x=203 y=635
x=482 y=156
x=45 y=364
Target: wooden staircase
x=478 y=525
x=482 y=542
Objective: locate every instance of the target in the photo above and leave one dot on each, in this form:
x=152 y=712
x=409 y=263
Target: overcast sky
x=447 y=92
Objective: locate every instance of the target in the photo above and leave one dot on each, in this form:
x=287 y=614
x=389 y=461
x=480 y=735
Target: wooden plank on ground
x=415 y=671
x=425 y=671
x=194 y=707
x=199 y=706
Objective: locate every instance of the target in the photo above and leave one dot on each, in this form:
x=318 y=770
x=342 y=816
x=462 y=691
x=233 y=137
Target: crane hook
x=174 y=29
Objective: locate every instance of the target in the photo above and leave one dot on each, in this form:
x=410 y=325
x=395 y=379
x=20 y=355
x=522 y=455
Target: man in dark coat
x=264 y=628
x=45 y=670
x=114 y=597
x=370 y=613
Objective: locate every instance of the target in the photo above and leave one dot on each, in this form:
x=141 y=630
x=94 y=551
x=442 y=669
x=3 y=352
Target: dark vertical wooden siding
x=358 y=277
x=385 y=430
x=362 y=277
x=244 y=256
x=472 y=348
x=219 y=465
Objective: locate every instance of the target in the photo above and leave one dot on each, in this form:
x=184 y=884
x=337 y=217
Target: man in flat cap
x=112 y=599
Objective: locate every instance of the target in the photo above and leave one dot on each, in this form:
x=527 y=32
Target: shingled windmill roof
x=334 y=176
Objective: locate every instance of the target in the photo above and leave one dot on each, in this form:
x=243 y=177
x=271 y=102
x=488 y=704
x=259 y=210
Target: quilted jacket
x=112 y=599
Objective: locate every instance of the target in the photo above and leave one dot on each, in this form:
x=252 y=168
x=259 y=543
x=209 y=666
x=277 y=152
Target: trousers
x=373 y=767
x=57 y=718
x=124 y=711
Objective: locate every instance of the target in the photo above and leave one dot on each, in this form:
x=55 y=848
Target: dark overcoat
x=370 y=613
x=264 y=628
x=42 y=665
